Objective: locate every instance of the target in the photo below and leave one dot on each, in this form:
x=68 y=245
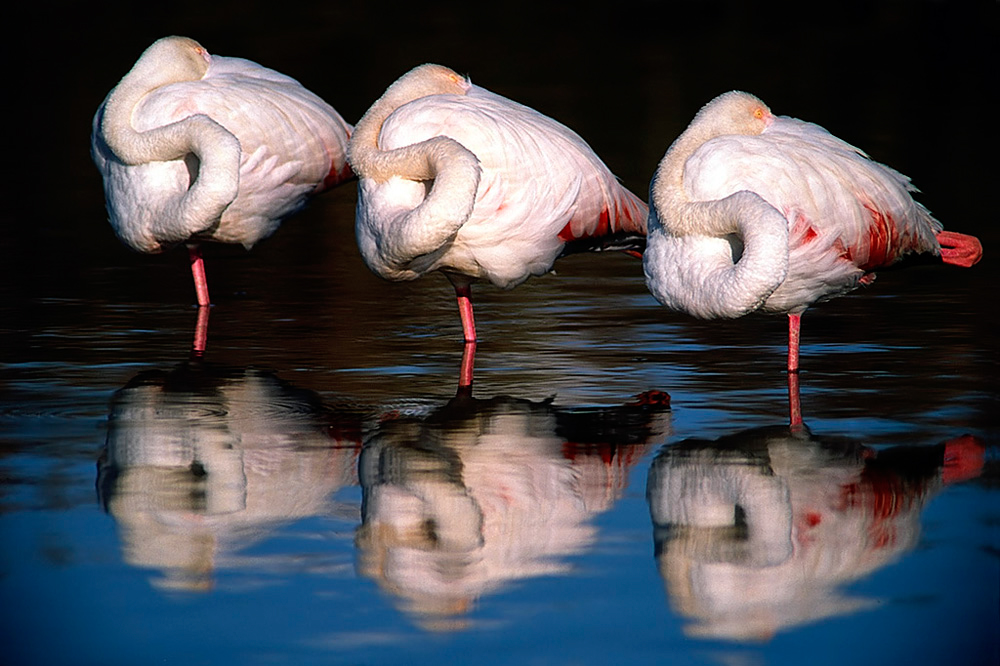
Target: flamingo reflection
x=483 y=492
x=760 y=531
x=203 y=461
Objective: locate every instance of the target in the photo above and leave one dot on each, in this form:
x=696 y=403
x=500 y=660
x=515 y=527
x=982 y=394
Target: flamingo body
x=456 y=178
x=194 y=147
x=756 y=212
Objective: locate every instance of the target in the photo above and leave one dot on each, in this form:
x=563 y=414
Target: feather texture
x=196 y=147
x=756 y=212
x=456 y=178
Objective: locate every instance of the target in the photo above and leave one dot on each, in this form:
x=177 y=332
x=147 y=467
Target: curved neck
x=363 y=153
x=732 y=113
x=712 y=280
x=453 y=169
x=668 y=196
x=167 y=61
x=719 y=275
x=421 y=161
x=216 y=149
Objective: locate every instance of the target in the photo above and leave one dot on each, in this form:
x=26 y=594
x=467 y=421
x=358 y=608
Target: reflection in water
x=202 y=461
x=480 y=493
x=759 y=531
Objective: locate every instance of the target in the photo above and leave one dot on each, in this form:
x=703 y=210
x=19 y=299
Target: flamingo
x=455 y=178
x=194 y=147
x=755 y=212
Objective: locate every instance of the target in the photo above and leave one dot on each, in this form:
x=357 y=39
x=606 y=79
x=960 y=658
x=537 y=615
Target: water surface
x=316 y=489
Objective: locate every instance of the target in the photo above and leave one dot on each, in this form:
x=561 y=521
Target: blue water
x=315 y=489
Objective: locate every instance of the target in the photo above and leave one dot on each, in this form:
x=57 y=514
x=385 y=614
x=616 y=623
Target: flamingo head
x=172 y=59
x=735 y=113
x=433 y=79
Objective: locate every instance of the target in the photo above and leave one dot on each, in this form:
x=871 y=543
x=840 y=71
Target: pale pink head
x=734 y=113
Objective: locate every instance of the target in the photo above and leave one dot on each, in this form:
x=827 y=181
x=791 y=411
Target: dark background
x=912 y=83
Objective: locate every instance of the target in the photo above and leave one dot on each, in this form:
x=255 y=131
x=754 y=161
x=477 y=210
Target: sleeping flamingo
x=455 y=178
x=194 y=147
x=755 y=212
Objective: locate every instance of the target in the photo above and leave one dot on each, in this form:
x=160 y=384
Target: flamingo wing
x=847 y=214
x=293 y=144
x=827 y=189
x=538 y=179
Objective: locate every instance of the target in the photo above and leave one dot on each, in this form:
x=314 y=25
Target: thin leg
x=463 y=290
x=201 y=332
x=198 y=272
x=793 y=342
x=794 y=406
x=468 y=364
x=464 y=295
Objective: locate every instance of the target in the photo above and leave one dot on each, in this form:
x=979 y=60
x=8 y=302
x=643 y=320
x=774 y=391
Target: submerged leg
x=198 y=272
x=793 y=342
x=200 y=332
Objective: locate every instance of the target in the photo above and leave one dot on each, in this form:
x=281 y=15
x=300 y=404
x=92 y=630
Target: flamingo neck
x=718 y=258
x=677 y=213
x=452 y=170
x=422 y=161
x=732 y=113
x=217 y=151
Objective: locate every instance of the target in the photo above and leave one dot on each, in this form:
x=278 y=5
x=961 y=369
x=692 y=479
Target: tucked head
x=433 y=80
x=175 y=58
x=734 y=113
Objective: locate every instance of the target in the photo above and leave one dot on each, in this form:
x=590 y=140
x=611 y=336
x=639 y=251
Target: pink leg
x=794 y=406
x=793 y=342
x=464 y=293
x=468 y=363
x=201 y=332
x=198 y=272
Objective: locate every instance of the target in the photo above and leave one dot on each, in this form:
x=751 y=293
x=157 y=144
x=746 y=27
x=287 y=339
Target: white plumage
x=456 y=178
x=755 y=212
x=194 y=147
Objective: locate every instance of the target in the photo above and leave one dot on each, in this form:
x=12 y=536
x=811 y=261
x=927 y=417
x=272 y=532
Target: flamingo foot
x=959 y=249
x=964 y=458
x=651 y=398
x=198 y=272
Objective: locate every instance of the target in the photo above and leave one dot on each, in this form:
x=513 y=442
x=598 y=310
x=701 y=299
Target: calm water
x=314 y=489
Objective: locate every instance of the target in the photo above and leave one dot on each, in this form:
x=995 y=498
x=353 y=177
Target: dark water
x=315 y=490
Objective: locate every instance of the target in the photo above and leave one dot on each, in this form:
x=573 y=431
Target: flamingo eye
x=758 y=113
